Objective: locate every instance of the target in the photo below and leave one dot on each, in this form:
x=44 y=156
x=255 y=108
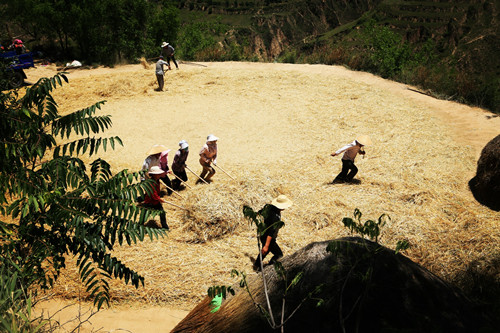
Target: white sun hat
x=164 y=44
x=155 y=170
x=364 y=140
x=281 y=202
x=212 y=137
x=156 y=149
x=183 y=144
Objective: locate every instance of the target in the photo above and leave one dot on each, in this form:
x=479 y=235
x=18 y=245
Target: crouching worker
x=349 y=170
x=272 y=214
x=153 y=200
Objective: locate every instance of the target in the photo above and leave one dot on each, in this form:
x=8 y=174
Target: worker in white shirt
x=349 y=170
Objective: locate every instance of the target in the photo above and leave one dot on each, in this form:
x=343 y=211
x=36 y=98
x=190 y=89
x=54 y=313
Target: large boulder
x=365 y=287
x=485 y=186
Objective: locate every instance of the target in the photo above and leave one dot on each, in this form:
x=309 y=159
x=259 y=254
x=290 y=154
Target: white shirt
x=149 y=162
x=351 y=150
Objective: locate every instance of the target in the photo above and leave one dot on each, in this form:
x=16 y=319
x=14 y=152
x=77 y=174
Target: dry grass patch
x=278 y=124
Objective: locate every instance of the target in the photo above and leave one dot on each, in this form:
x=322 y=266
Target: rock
x=365 y=287
x=485 y=186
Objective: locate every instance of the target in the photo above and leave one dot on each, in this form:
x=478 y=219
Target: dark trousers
x=163 y=218
x=167 y=182
x=161 y=81
x=176 y=183
x=173 y=59
x=349 y=170
x=274 y=248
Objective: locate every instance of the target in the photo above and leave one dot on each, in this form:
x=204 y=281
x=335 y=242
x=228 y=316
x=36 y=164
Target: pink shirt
x=163 y=161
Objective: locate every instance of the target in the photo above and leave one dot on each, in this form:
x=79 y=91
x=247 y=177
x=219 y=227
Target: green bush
x=15 y=302
x=289 y=56
x=193 y=39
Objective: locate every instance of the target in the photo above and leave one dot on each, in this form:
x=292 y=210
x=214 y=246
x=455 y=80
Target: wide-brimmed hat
x=183 y=144
x=156 y=149
x=155 y=170
x=212 y=137
x=281 y=202
x=165 y=152
x=364 y=140
x=164 y=44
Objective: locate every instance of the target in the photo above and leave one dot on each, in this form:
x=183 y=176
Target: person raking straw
x=153 y=200
x=208 y=155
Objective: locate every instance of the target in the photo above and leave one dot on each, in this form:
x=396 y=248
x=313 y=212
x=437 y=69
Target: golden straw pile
x=277 y=126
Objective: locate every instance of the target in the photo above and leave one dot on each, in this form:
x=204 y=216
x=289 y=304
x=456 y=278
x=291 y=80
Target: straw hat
x=281 y=202
x=212 y=137
x=156 y=170
x=164 y=44
x=165 y=152
x=364 y=140
x=156 y=149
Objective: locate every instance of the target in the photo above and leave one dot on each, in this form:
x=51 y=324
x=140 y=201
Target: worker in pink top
x=158 y=156
x=349 y=170
x=153 y=200
x=208 y=155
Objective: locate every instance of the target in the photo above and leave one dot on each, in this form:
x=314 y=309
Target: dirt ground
x=278 y=124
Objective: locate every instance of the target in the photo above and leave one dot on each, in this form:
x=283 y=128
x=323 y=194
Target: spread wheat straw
x=277 y=125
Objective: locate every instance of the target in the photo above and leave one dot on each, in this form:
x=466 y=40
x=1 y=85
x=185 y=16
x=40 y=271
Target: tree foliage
x=96 y=31
x=52 y=206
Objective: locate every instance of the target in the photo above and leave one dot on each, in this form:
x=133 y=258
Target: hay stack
x=217 y=209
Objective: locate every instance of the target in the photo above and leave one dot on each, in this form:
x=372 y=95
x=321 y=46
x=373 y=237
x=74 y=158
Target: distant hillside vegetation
x=448 y=48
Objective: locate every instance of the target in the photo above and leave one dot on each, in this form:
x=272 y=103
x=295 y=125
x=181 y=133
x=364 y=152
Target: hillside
x=458 y=40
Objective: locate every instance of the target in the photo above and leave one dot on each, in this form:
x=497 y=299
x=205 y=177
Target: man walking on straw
x=208 y=154
x=160 y=73
x=168 y=51
x=179 y=165
x=349 y=170
x=153 y=200
x=272 y=215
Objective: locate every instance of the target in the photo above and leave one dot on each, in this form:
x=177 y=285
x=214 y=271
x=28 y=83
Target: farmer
x=160 y=72
x=158 y=156
x=179 y=165
x=168 y=51
x=154 y=201
x=349 y=170
x=272 y=214
x=208 y=154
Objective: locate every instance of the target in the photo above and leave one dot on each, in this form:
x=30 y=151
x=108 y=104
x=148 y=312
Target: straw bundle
x=216 y=210
x=144 y=63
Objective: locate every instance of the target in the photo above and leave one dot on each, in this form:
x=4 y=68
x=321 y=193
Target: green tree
x=52 y=206
x=96 y=31
x=389 y=54
x=194 y=38
x=162 y=27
